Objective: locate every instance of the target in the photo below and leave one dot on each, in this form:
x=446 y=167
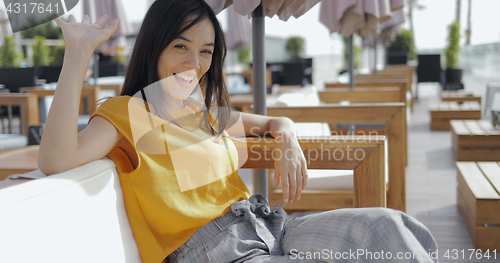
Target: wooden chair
x=402 y=85
x=369 y=186
x=90 y=94
x=369 y=173
x=29 y=108
x=117 y=88
x=398 y=77
x=392 y=114
x=360 y=95
x=248 y=75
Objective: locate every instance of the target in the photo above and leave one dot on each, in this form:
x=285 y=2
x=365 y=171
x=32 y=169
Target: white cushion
x=75 y=216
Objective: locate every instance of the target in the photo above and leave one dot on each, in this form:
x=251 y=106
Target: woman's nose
x=192 y=61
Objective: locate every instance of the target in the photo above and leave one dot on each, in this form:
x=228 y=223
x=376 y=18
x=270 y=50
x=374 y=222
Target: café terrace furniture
x=18 y=161
x=79 y=215
x=89 y=97
x=29 y=108
x=393 y=115
x=357 y=95
x=460 y=95
x=475 y=140
x=443 y=112
x=491 y=90
x=478 y=200
x=376 y=85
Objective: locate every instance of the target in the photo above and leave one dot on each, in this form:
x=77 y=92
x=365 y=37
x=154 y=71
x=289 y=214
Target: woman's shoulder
x=121 y=104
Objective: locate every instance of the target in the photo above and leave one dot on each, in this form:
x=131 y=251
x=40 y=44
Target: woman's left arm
x=290 y=163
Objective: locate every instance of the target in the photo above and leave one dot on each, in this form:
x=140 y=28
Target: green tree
x=452 y=52
x=295 y=46
x=404 y=42
x=41 y=52
x=8 y=55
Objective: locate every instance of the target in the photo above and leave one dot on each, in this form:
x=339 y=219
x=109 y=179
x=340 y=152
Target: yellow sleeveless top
x=183 y=179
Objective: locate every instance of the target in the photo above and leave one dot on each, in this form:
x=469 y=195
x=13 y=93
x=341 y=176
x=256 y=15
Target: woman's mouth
x=184 y=80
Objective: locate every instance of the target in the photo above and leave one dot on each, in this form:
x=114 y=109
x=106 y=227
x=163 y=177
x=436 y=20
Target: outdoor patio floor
x=431 y=184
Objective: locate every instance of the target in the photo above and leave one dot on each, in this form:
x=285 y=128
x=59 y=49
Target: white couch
x=75 y=216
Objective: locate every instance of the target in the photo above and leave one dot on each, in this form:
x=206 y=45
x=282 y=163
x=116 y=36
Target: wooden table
x=394 y=117
x=242 y=102
x=479 y=202
x=29 y=108
x=90 y=94
x=18 y=161
x=444 y=111
x=475 y=140
x=449 y=95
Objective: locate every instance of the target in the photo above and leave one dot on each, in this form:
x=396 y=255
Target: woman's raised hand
x=86 y=35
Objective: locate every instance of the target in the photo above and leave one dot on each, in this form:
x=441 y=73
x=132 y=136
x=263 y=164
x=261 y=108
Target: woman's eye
x=180 y=47
x=208 y=52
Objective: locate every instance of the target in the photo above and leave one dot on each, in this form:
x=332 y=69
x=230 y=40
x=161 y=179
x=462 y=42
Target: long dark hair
x=165 y=21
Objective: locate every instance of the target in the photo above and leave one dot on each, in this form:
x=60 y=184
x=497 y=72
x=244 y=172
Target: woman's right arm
x=62 y=147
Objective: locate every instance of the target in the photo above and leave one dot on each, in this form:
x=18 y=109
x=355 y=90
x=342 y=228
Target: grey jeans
x=253 y=232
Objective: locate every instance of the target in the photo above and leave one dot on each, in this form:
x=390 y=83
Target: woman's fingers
x=292 y=185
x=277 y=177
x=102 y=21
x=285 y=187
x=86 y=19
x=112 y=28
x=59 y=21
x=298 y=175
x=72 y=19
x=305 y=176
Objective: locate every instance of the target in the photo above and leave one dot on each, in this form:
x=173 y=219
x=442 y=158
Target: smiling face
x=184 y=61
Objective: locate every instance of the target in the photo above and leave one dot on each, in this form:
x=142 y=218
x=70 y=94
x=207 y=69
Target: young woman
x=171 y=135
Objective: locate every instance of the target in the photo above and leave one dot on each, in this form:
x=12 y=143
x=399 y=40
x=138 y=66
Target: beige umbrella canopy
x=284 y=9
x=354 y=16
x=239 y=30
x=388 y=29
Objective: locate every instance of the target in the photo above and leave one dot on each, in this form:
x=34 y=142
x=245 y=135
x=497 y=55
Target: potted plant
x=295 y=47
x=245 y=56
x=452 y=54
x=41 y=52
x=402 y=48
x=8 y=55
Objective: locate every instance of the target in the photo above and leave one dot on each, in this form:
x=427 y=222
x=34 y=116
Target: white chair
x=491 y=90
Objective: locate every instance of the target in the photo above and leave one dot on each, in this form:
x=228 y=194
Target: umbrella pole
x=351 y=62
x=259 y=85
x=375 y=56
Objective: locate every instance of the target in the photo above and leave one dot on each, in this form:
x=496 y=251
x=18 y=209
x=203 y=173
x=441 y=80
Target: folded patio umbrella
x=284 y=9
x=354 y=16
x=239 y=30
x=388 y=29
